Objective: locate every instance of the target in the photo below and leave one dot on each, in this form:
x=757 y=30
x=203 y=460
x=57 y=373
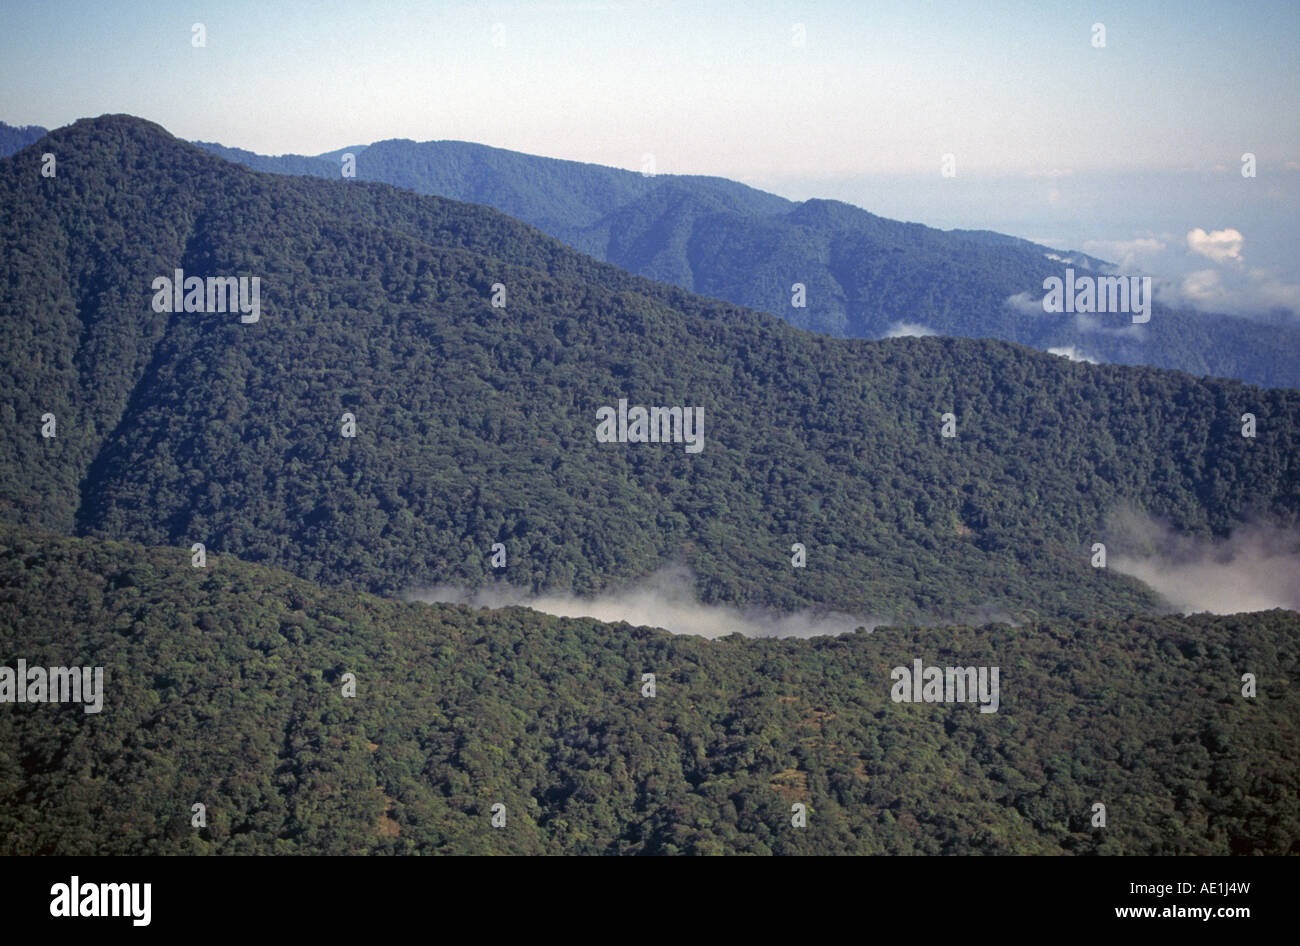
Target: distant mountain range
x=863 y=276
x=476 y=424
x=15 y=138
x=417 y=384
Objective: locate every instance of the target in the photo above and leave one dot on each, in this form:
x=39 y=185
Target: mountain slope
x=477 y=425
x=564 y=198
x=224 y=686
x=864 y=275
x=16 y=137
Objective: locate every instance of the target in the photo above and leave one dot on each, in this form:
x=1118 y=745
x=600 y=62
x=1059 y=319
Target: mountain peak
x=819 y=211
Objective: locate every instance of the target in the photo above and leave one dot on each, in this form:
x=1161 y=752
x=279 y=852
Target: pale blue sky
x=880 y=91
x=708 y=87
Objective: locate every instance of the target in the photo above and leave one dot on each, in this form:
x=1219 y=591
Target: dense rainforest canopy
x=224 y=687
x=863 y=275
x=475 y=423
x=423 y=384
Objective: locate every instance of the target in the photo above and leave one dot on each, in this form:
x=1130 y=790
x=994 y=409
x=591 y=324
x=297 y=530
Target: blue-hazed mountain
x=16 y=137
x=477 y=424
x=865 y=276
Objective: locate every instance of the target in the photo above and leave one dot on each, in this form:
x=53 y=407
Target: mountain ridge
x=958 y=282
x=479 y=421
x=227 y=686
x=863 y=276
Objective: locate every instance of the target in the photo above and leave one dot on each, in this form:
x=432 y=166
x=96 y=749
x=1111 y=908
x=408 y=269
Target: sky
x=1052 y=137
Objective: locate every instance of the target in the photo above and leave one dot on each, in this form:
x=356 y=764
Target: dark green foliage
x=863 y=273
x=476 y=424
x=223 y=686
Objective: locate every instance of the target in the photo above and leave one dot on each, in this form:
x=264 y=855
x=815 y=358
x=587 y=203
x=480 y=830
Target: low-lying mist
x=665 y=599
x=1256 y=568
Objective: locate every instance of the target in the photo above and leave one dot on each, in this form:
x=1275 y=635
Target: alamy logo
x=651 y=425
x=924 y=684
x=1099 y=294
x=77 y=899
x=53 y=685
x=183 y=293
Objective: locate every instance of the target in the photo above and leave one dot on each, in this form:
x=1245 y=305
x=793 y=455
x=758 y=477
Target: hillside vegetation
x=864 y=275
x=224 y=687
x=476 y=424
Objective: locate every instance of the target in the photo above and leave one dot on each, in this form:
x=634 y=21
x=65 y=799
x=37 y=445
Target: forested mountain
x=224 y=687
x=864 y=275
x=16 y=137
x=477 y=425
x=568 y=199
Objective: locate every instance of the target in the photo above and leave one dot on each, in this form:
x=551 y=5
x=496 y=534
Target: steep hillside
x=864 y=276
x=477 y=424
x=225 y=687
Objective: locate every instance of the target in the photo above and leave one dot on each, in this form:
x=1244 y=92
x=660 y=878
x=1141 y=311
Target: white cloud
x=665 y=599
x=1086 y=322
x=1081 y=261
x=1254 y=569
x=909 y=330
x=1026 y=303
x=1204 y=289
x=1185 y=280
x=1254 y=292
x=1273 y=292
x=1217 y=245
x=1073 y=353
x=1127 y=254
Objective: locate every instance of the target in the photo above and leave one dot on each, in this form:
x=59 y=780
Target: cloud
x=1087 y=322
x=1245 y=292
x=1204 y=289
x=1073 y=353
x=665 y=599
x=1218 y=245
x=1255 y=569
x=1082 y=261
x=909 y=330
x=1182 y=278
x=1127 y=254
x=1274 y=293
x=1025 y=303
